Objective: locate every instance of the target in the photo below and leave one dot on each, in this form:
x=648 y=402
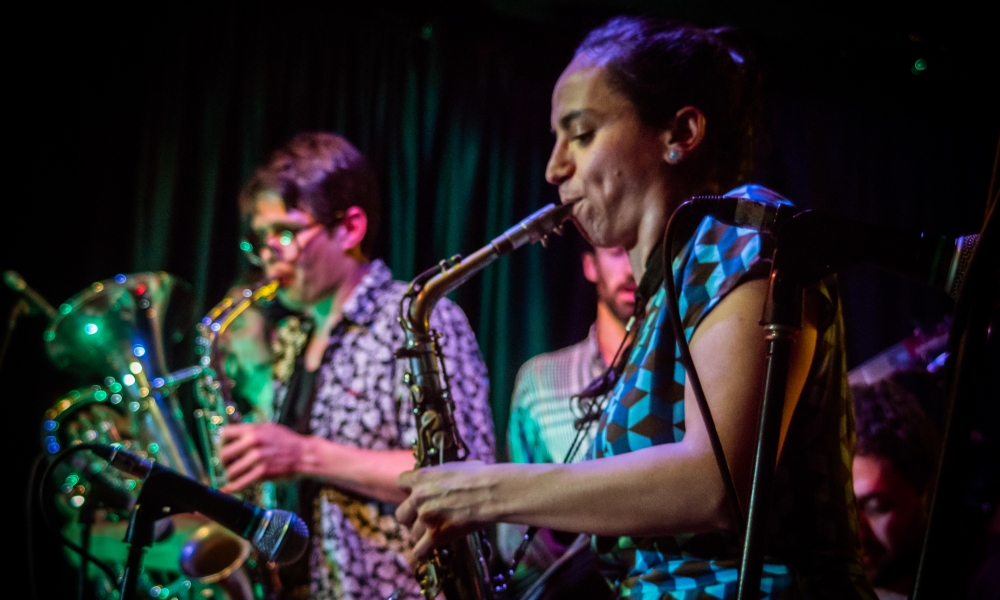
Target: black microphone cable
x=673 y=311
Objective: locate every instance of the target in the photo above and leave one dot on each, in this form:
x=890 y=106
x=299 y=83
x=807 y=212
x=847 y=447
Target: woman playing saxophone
x=647 y=114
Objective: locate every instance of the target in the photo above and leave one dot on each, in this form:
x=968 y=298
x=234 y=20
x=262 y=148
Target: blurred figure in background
x=544 y=412
x=542 y=422
x=897 y=452
x=343 y=424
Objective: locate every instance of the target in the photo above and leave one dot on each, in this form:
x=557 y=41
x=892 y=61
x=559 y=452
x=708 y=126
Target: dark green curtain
x=135 y=137
x=452 y=113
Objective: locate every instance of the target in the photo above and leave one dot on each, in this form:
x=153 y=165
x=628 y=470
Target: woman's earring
x=673 y=157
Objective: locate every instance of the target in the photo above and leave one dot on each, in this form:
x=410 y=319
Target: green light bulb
x=920 y=65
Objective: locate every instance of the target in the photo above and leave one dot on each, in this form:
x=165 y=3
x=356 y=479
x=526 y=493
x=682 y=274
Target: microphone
x=279 y=535
x=961 y=255
x=36 y=303
x=828 y=242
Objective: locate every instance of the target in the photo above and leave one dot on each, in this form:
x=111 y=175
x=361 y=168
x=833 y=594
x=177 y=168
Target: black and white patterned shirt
x=358 y=548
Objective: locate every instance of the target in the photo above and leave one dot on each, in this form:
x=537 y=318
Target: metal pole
x=782 y=321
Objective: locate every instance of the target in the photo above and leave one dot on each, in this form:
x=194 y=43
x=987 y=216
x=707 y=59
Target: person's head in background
x=610 y=272
x=313 y=212
x=896 y=455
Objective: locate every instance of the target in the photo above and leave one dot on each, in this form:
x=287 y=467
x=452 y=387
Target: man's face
x=891 y=519
x=610 y=270
x=604 y=157
x=301 y=254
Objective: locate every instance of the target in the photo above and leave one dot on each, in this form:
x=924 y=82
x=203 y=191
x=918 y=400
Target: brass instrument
x=119 y=332
x=213 y=388
x=212 y=554
x=457 y=570
x=115 y=330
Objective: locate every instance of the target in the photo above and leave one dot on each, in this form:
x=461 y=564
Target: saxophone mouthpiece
x=534 y=228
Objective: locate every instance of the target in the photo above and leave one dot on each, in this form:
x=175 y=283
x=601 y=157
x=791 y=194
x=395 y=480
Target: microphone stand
x=810 y=246
x=807 y=247
x=88 y=511
x=139 y=537
x=141 y=532
x=782 y=322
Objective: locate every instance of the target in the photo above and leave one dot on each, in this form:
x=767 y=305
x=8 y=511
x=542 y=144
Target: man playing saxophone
x=343 y=423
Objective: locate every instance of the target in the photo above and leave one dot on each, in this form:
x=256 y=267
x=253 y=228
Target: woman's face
x=604 y=156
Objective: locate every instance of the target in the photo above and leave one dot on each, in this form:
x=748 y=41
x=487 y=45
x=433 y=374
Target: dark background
x=131 y=134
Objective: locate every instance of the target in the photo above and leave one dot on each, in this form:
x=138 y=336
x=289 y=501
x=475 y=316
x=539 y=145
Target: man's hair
x=323 y=175
x=891 y=424
x=663 y=66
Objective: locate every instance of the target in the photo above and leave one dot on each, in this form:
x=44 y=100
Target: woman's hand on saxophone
x=255 y=452
x=445 y=502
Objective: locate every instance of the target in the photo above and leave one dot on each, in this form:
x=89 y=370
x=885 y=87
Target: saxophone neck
x=536 y=227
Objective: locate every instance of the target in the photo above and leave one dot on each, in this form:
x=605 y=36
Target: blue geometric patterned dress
x=813 y=549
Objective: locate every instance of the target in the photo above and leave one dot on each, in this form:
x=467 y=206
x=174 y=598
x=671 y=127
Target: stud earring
x=673 y=157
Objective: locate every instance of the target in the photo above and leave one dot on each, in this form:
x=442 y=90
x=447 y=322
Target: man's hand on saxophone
x=269 y=451
x=266 y=451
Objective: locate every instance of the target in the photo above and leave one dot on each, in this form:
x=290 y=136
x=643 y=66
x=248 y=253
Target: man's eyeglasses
x=280 y=246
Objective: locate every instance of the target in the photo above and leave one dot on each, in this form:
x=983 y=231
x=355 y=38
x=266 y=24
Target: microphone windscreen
x=283 y=537
x=964 y=246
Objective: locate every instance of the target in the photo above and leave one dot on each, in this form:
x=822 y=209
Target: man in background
x=343 y=420
x=543 y=417
x=544 y=412
x=897 y=450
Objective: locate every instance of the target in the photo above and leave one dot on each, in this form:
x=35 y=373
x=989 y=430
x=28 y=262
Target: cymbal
x=119 y=326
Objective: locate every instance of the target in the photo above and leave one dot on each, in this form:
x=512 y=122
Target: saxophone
x=457 y=570
x=211 y=547
x=213 y=388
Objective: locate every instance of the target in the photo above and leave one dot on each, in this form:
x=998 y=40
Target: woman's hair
x=323 y=175
x=663 y=66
